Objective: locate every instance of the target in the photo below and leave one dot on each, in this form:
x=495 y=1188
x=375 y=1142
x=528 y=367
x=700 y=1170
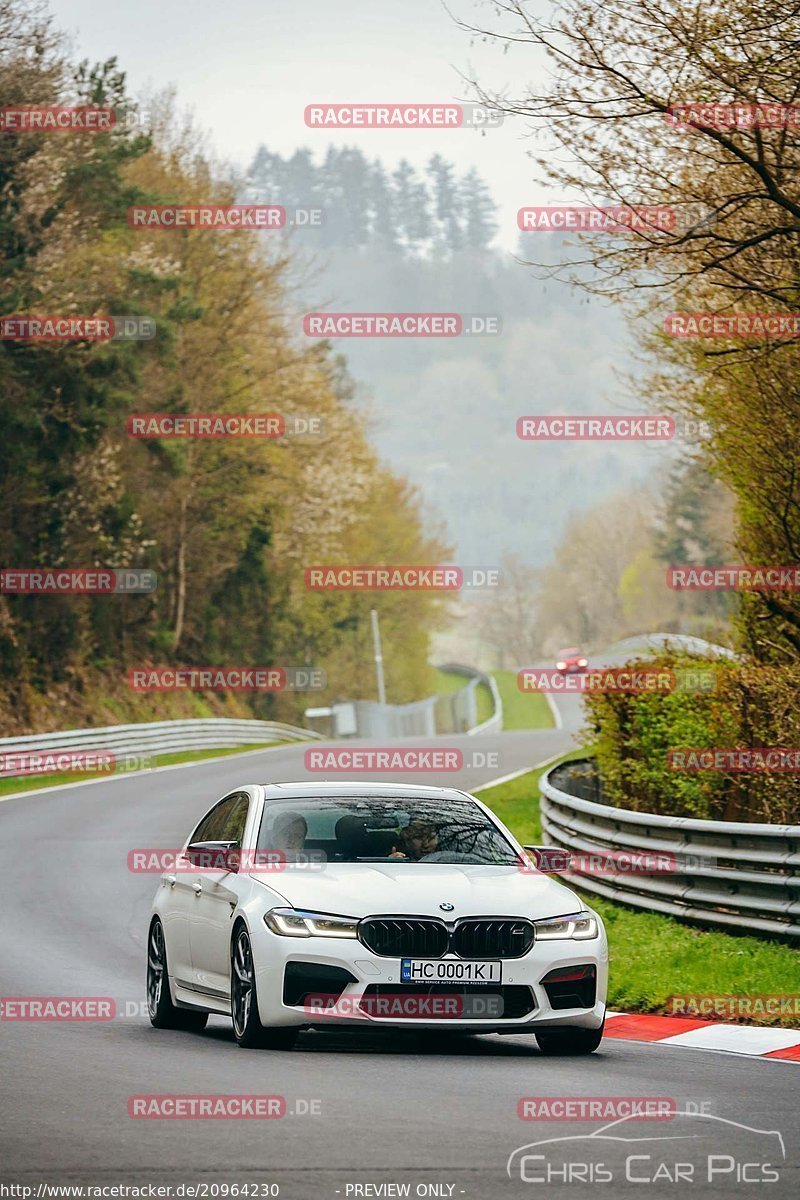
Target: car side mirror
x=550 y=859
x=214 y=856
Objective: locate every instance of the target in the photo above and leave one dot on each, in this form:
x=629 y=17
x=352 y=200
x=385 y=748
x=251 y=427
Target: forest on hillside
x=228 y=525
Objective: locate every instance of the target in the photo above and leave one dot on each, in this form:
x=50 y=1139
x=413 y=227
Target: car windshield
x=397 y=829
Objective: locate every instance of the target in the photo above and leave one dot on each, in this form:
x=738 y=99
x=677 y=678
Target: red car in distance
x=571 y=662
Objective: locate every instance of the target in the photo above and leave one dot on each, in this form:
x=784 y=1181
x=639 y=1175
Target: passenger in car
x=352 y=838
x=289 y=831
x=419 y=838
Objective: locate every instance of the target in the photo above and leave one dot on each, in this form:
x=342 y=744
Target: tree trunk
x=180 y=602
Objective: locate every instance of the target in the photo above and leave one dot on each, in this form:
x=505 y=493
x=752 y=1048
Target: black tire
x=569 y=1039
x=163 y=1013
x=247 y=1027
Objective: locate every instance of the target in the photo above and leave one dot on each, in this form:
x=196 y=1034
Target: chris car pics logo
x=695 y=1148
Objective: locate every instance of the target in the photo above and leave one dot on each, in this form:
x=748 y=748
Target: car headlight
x=294 y=922
x=580 y=927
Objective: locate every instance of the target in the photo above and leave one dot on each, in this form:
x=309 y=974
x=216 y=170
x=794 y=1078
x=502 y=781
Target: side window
x=236 y=820
x=225 y=822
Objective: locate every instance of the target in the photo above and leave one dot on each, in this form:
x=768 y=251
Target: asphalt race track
x=385 y=1109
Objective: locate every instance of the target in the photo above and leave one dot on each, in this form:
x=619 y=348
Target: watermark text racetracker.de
x=614 y=218
x=736 y=760
x=58 y=761
x=398 y=758
x=732 y=325
x=639 y=427
x=617 y=679
x=221 y=425
x=407 y=1005
x=57 y=118
x=387 y=578
x=401 y=324
x=735 y=1007
x=722 y=115
x=67 y=327
x=226 y=679
x=73 y=118
x=613 y=863
x=210 y=1107
x=152 y=860
x=66 y=761
x=564 y=427
x=76 y=581
x=252 y=218
x=57 y=1008
x=596 y=1108
x=404 y=115
x=736 y=578
x=205 y=1107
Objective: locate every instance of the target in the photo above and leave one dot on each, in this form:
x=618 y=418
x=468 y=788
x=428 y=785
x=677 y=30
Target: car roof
x=391 y=791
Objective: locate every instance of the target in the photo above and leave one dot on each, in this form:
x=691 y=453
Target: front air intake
x=304 y=979
x=571 y=987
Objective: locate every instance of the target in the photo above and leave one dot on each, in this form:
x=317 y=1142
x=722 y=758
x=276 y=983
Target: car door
x=182 y=883
x=216 y=894
x=175 y=913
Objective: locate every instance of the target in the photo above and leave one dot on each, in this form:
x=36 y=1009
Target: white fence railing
x=739 y=874
x=448 y=712
x=156 y=737
x=492 y=724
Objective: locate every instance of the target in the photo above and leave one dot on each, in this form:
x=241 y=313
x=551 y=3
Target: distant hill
x=445 y=410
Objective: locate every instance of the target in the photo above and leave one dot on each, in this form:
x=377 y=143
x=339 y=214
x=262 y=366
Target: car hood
x=366 y=889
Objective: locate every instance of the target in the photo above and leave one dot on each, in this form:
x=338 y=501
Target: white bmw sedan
x=306 y=905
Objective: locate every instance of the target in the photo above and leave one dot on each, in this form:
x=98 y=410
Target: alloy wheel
x=242 y=982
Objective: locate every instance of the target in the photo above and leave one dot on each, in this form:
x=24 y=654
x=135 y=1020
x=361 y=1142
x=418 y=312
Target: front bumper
x=272 y=953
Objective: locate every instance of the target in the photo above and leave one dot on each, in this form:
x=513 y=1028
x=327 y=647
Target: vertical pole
x=376 y=641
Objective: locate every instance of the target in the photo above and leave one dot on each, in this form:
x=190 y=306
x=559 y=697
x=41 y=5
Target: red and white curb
x=758 y=1041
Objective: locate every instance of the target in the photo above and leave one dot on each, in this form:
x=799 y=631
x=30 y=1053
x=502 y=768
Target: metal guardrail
x=449 y=712
x=159 y=737
x=737 y=874
x=383 y=721
x=492 y=724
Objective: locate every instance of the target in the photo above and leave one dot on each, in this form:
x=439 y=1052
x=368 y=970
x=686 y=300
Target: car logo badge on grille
x=447 y=907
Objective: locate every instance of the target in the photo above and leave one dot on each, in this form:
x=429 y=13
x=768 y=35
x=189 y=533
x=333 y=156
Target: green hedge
x=746 y=706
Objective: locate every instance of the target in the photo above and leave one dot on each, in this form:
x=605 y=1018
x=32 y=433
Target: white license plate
x=446 y=970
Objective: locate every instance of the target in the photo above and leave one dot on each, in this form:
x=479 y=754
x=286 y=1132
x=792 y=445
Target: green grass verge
x=522 y=710
x=655 y=957
x=27 y=783
x=484 y=702
x=448 y=681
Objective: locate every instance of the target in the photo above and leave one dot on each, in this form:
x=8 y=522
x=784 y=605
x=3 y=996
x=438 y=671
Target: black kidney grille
x=486 y=938
x=421 y=937
x=393 y=937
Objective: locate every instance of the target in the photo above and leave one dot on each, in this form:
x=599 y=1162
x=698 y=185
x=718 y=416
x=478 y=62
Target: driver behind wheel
x=289 y=832
x=419 y=838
